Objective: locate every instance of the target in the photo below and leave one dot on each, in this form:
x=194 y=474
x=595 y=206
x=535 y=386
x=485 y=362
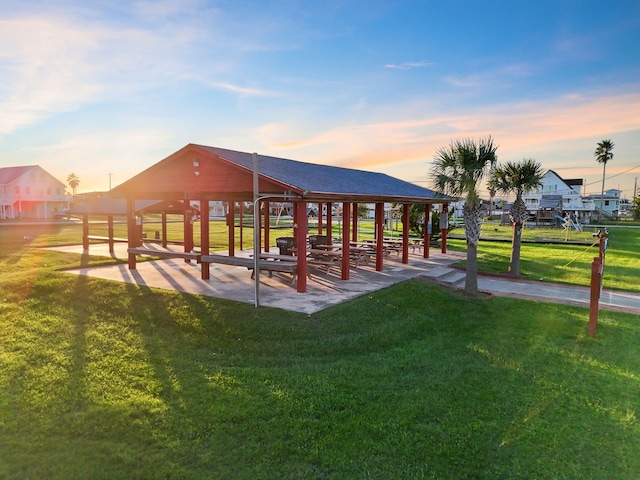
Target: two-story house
x=30 y=192
x=558 y=196
x=607 y=205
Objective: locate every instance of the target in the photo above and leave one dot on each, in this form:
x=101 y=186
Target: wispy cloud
x=407 y=65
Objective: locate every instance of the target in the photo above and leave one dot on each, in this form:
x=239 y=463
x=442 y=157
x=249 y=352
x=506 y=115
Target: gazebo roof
x=198 y=171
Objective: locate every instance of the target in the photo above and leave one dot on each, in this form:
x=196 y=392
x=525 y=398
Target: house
x=31 y=192
x=608 y=205
x=557 y=196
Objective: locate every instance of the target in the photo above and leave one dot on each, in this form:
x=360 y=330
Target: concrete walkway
x=325 y=290
x=542 y=291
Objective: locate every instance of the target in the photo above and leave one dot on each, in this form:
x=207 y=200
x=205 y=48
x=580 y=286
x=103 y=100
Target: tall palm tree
x=73 y=181
x=603 y=153
x=519 y=178
x=456 y=171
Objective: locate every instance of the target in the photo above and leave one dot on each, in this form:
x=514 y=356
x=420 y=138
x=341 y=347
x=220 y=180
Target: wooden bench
x=264 y=264
x=164 y=253
x=106 y=239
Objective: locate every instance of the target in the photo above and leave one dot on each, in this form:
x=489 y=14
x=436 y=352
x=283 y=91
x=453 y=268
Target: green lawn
x=104 y=380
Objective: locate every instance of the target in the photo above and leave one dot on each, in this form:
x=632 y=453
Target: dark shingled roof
x=325 y=179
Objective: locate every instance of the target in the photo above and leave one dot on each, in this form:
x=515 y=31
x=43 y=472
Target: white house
x=557 y=196
x=30 y=192
x=609 y=204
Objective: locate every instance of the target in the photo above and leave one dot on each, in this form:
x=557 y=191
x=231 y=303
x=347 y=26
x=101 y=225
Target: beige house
x=31 y=192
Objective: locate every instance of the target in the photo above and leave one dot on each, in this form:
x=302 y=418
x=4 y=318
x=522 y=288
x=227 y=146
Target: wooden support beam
x=346 y=220
x=379 y=234
x=300 y=232
x=405 y=232
x=204 y=237
x=427 y=226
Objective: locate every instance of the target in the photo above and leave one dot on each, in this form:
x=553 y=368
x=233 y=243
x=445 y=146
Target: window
x=18 y=190
x=48 y=190
x=27 y=190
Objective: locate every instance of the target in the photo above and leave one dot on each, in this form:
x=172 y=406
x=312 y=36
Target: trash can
x=285 y=243
x=315 y=240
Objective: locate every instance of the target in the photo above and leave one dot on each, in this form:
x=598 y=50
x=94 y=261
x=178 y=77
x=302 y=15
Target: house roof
x=11 y=174
x=198 y=171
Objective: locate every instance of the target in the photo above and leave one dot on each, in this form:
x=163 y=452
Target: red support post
x=320 y=218
x=405 y=232
x=444 y=225
x=427 y=226
x=346 y=219
x=300 y=232
x=85 y=232
x=131 y=232
x=354 y=229
x=231 y=229
x=204 y=237
x=329 y=223
x=188 y=231
x=266 y=225
x=379 y=235
x=164 y=229
x=110 y=233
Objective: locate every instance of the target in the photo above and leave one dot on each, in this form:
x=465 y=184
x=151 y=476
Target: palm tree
x=456 y=171
x=519 y=178
x=73 y=182
x=603 y=154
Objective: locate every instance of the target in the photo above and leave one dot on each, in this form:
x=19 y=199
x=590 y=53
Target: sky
x=105 y=89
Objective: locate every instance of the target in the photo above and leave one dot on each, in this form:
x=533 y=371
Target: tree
x=73 y=181
x=603 y=154
x=636 y=208
x=519 y=178
x=456 y=171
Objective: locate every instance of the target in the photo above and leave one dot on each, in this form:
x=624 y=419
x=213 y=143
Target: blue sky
x=112 y=87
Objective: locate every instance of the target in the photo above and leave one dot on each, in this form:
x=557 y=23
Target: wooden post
x=266 y=225
x=379 y=235
x=204 y=237
x=346 y=219
x=427 y=226
x=594 y=300
x=131 y=232
x=231 y=230
x=241 y=208
x=110 y=233
x=300 y=232
x=329 y=223
x=405 y=232
x=85 y=232
x=444 y=225
x=164 y=229
x=320 y=218
x=354 y=215
x=188 y=230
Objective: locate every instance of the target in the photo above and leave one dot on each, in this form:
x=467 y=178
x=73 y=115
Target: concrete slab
x=235 y=283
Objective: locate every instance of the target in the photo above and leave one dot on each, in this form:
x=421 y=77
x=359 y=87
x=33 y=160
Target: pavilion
x=201 y=173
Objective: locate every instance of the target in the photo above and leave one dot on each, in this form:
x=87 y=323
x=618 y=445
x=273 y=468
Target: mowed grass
x=104 y=380
x=562 y=262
